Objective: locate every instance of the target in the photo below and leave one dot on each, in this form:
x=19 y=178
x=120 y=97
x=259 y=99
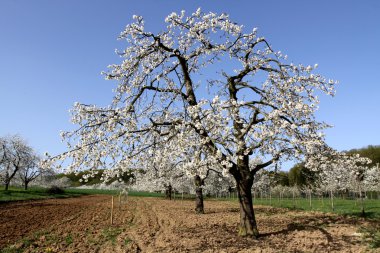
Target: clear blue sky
x=52 y=53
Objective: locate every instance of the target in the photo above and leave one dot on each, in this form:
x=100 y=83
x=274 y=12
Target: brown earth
x=158 y=225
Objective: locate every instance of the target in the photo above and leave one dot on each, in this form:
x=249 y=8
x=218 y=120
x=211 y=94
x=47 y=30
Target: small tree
x=167 y=167
x=262 y=182
x=338 y=171
x=358 y=173
x=372 y=179
x=202 y=76
x=216 y=184
x=30 y=171
x=15 y=155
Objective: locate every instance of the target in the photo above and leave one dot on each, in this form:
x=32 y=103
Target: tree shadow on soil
x=318 y=224
x=365 y=215
x=266 y=210
x=224 y=236
x=298 y=227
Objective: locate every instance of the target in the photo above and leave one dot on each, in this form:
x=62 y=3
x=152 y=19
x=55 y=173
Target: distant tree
x=30 y=171
x=339 y=171
x=372 y=179
x=262 y=182
x=3 y=162
x=216 y=184
x=62 y=182
x=15 y=155
x=372 y=152
x=281 y=178
x=86 y=178
x=301 y=176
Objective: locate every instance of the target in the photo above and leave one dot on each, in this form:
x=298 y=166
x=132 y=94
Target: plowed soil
x=156 y=225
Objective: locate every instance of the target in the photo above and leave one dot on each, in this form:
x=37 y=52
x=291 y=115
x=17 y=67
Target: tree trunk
x=248 y=226
x=26 y=185
x=7 y=180
x=270 y=197
x=168 y=191
x=199 y=207
x=294 y=202
x=323 y=203
x=361 y=202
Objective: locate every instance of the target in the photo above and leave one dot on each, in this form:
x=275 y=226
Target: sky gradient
x=52 y=53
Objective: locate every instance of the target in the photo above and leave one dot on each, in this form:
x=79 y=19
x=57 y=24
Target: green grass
x=111 y=234
x=127 y=241
x=21 y=245
x=372 y=236
x=90 y=191
x=69 y=239
x=145 y=194
x=341 y=206
x=112 y=192
x=15 y=194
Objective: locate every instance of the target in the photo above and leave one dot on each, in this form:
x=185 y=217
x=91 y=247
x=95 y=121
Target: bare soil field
x=156 y=225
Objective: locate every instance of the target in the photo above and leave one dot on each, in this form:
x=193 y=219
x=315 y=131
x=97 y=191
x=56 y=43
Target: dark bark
x=29 y=174
x=199 y=207
x=7 y=180
x=244 y=182
x=362 y=213
x=168 y=191
x=248 y=226
x=9 y=177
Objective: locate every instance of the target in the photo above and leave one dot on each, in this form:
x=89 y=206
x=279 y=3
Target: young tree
x=338 y=171
x=30 y=171
x=170 y=162
x=163 y=170
x=217 y=184
x=359 y=177
x=2 y=158
x=15 y=155
x=200 y=168
x=372 y=179
x=262 y=182
x=202 y=76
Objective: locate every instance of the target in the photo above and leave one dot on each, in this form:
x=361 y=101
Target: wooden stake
x=311 y=207
x=119 y=201
x=112 y=211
